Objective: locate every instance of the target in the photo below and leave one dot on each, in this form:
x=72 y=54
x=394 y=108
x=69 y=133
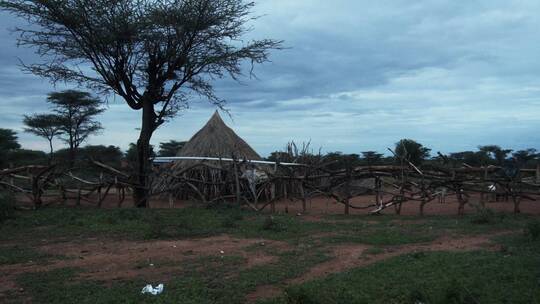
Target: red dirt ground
x=353 y=255
x=109 y=261
x=321 y=205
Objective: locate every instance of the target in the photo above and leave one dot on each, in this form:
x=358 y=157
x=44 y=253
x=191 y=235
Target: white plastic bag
x=154 y=291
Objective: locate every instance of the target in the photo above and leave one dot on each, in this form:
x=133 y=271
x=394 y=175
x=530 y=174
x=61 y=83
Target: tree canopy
x=47 y=126
x=8 y=142
x=154 y=54
x=75 y=113
x=372 y=157
x=170 y=148
x=412 y=151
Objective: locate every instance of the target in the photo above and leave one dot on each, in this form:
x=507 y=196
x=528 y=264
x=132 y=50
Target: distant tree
x=47 y=126
x=496 y=154
x=372 y=158
x=110 y=155
x=151 y=53
x=8 y=140
x=131 y=155
x=24 y=157
x=280 y=156
x=471 y=158
x=76 y=112
x=8 y=143
x=523 y=157
x=337 y=160
x=170 y=148
x=411 y=150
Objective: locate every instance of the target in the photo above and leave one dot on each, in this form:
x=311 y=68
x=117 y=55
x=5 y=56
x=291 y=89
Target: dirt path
x=110 y=261
x=353 y=255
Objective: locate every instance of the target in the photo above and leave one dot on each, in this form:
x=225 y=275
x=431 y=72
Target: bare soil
x=109 y=261
x=322 y=205
x=354 y=255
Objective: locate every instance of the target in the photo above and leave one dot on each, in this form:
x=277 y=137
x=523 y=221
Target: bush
x=7 y=206
x=532 y=230
x=271 y=224
x=459 y=294
x=229 y=222
x=303 y=295
x=484 y=216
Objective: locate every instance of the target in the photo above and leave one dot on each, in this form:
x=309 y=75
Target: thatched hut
x=207 y=178
x=216 y=139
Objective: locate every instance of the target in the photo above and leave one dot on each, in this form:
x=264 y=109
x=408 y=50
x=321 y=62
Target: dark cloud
x=356 y=76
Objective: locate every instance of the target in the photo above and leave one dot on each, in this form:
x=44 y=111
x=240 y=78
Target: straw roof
x=216 y=139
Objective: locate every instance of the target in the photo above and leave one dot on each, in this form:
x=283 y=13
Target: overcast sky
x=357 y=76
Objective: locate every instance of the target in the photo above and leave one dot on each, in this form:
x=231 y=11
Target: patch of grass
x=425 y=277
x=207 y=279
x=383 y=234
x=433 y=277
x=137 y=224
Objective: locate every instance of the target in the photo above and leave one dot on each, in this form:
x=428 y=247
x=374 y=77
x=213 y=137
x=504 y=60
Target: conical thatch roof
x=216 y=139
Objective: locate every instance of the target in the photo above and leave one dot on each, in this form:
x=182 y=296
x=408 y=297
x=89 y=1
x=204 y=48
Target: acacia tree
x=8 y=143
x=170 y=148
x=372 y=157
x=75 y=113
x=152 y=53
x=495 y=153
x=412 y=151
x=47 y=126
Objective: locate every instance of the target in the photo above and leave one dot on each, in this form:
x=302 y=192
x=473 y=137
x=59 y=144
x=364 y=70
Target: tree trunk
x=71 y=151
x=140 y=193
x=50 y=152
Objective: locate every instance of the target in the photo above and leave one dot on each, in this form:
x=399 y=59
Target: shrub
x=483 y=216
x=532 y=229
x=299 y=295
x=458 y=294
x=418 y=296
x=229 y=222
x=7 y=206
x=272 y=225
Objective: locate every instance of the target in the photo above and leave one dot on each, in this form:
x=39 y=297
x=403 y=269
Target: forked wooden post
x=236 y=181
x=100 y=197
x=303 y=194
x=424 y=200
x=538 y=173
x=78 y=202
x=348 y=191
x=171 y=200
x=484 y=188
x=273 y=197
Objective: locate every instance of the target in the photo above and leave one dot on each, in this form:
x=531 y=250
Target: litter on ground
x=151 y=290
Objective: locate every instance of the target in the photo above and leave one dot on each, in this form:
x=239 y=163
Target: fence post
x=482 y=194
x=236 y=181
x=303 y=194
x=348 y=191
x=171 y=200
x=100 y=196
x=538 y=173
x=78 y=196
x=273 y=197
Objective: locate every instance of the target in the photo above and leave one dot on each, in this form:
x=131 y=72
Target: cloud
x=356 y=76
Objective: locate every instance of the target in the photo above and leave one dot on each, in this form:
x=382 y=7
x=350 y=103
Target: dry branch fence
x=260 y=187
